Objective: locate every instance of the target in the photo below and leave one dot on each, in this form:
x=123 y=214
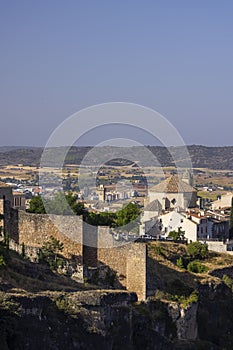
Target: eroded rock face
x=105 y=320
x=114 y=320
x=215 y=314
x=185 y=320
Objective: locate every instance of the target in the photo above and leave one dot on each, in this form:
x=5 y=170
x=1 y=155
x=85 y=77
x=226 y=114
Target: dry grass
x=163 y=262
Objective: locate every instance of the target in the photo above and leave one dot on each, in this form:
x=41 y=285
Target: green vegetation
x=197 y=250
x=59 y=205
x=179 y=262
x=197 y=267
x=127 y=214
x=36 y=205
x=2 y=261
x=65 y=205
x=193 y=298
x=100 y=219
x=228 y=281
x=159 y=250
x=49 y=253
x=7 y=304
x=68 y=205
x=177 y=235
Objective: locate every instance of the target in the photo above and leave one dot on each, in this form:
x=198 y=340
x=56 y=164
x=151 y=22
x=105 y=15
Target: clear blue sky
x=175 y=56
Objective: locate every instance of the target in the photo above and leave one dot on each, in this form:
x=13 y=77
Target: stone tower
x=101 y=193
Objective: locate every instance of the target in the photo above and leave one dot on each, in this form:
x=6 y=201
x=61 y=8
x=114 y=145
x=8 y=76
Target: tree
x=177 y=235
x=60 y=205
x=197 y=250
x=127 y=214
x=36 y=205
x=49 y=252
x=100 y=219
x=231 y=220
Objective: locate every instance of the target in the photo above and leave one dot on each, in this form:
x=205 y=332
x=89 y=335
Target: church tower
x=101 y=193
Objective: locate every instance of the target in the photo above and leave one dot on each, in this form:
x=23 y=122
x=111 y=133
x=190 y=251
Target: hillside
x=201 y=156
x=40 y=309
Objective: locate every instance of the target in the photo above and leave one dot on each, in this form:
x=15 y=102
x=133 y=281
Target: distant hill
x=201 y=156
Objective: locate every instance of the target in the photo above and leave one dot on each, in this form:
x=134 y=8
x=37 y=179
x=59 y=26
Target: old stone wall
x=219 y=246
x=30 y=252
x=34 y=229
x=91 y=246
x=137 y=269
x=128 y=260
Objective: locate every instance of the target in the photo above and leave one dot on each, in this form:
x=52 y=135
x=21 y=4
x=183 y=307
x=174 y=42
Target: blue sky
x=58 y=57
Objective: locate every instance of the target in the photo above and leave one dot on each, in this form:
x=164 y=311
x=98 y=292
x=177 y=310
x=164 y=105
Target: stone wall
x=91 y=246
x=137 y=269
x=128 y=260
x=219 y=246
x=34 y=229
x=30 y=252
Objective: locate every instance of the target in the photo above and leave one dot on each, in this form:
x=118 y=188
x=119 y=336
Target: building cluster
x=174 y=205
x=16 y=198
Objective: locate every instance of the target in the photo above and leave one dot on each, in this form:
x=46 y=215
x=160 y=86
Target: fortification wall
x=92 y=246
x=34 y=229
x=129 y=260
x=137 y=270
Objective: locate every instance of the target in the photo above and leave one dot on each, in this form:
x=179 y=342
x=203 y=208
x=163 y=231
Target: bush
x=197 y=267
x=228 y=281
x=197 y=250
x=160 y=250
x=49 y=253
x=179 y=263
x=2 y=261
x=193 y=298
x=177 y=235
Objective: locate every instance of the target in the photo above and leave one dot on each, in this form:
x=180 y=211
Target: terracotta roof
x=3 y=184
x=173 y=184
x=154 y=206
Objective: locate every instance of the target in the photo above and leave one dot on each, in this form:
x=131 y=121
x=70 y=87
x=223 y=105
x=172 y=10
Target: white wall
x=173 y=220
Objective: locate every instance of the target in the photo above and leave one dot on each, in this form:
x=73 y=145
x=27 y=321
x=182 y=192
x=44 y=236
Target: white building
x=223 y=202
x=174 y=192
x=173 y=220
x=195 y=225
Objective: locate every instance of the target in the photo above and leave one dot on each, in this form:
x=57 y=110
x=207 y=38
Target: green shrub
x=159 y=250
x=197 y=250
x=193 y=298
x=49 y=253
x=228 y=281
x=2 y=261
x=179 y=263
x=197 y=267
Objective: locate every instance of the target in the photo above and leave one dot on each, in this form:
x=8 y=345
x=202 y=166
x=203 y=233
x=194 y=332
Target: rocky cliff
x=112 y=320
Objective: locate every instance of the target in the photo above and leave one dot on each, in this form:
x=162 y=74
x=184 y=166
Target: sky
x=173 y=56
